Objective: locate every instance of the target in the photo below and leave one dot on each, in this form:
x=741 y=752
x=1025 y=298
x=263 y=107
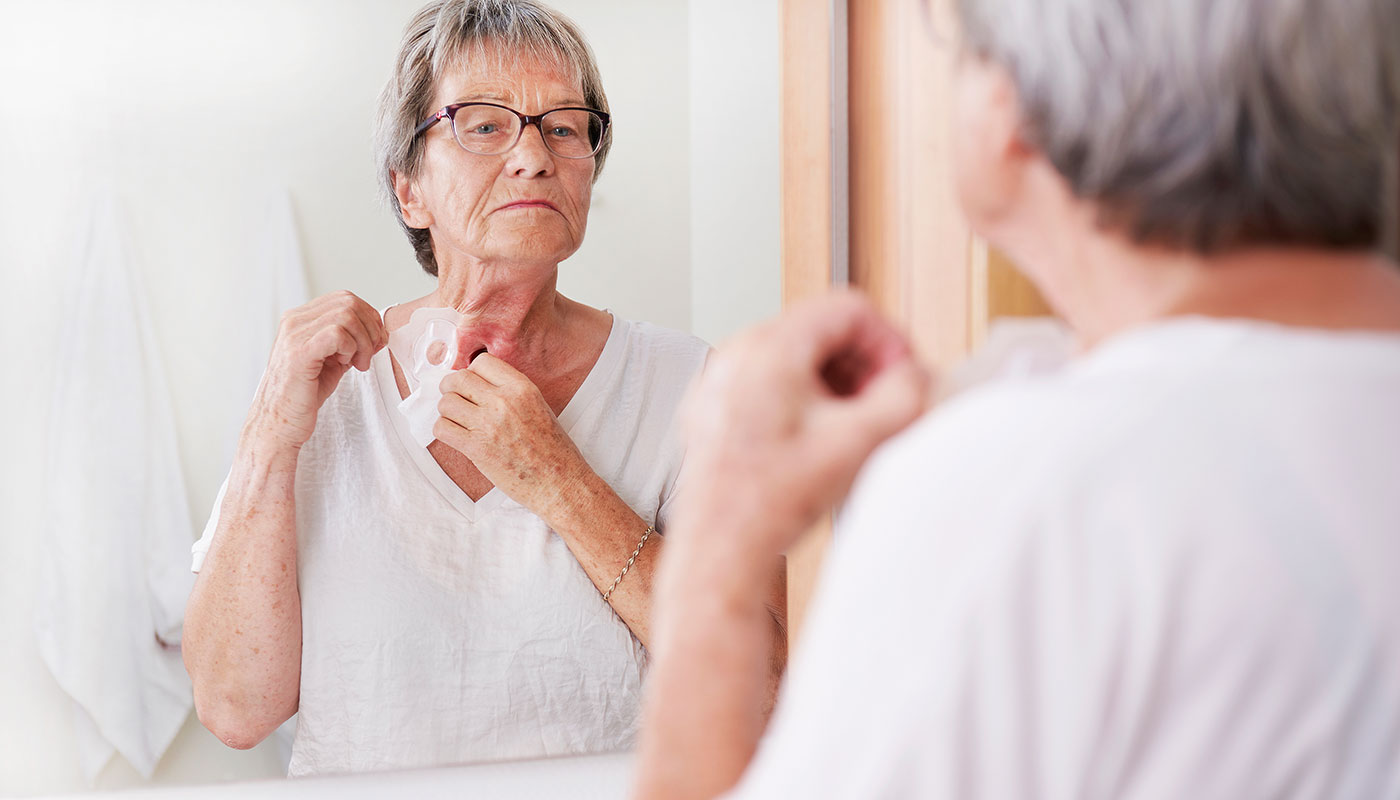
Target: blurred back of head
x=1207 y=125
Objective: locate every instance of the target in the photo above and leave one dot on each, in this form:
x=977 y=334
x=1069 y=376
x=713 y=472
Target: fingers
x=886 y=405
x=316 y=344
x=332 y=342
x=793 y=409
x=468 y=385
x=374 y=324
x=458 y=409
x=468 y=400
x=496 y=372
x=362 y=323
x=842 y=327
x=460 y=415
x=869 y=367
x=451 y=433
x=307 y=326
x=843 y=339
x=364 y=341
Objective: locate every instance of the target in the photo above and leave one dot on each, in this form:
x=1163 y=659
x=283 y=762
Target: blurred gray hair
x=1211 y=124
x=443 y=35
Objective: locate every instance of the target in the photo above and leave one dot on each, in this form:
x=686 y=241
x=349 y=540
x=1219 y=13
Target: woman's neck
x=513 y=312
x=1102 y=283
x=1126 y=285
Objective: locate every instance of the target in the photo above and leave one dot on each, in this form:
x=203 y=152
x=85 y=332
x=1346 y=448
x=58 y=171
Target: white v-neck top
x=438 y=630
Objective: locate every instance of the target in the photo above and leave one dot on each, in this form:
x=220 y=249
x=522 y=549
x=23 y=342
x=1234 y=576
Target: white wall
x=193 y=113
x=734 y=166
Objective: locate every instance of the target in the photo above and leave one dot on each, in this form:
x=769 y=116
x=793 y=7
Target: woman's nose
x=530 y=157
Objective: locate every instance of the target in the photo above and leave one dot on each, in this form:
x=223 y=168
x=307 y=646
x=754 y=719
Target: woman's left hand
x=785 y=415
x=495 y=416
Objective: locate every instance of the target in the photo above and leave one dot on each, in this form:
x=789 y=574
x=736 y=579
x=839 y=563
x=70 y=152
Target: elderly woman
x=1171 y=568
x=487 y=595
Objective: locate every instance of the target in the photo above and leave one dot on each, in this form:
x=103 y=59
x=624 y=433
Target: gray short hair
x=1211 y=124
x=440 y=36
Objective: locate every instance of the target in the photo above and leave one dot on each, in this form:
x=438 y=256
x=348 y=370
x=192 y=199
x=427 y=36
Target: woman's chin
x=539 y=246
x=534 y=253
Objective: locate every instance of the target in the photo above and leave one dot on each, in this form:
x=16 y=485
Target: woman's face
x=526 y=205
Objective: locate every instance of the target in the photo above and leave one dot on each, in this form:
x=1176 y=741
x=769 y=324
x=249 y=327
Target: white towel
x=275 y=281
x=114 y=567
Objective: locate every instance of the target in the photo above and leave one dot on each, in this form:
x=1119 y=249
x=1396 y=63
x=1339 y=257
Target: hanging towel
x=275 y=282
x=116 y=533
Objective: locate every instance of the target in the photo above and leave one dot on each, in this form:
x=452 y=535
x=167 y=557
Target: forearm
x=777 y=427
x=712 y=677
x=242 y=641
x=602 y=532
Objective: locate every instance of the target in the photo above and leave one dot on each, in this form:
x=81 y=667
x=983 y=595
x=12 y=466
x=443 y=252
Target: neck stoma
x=511 y=310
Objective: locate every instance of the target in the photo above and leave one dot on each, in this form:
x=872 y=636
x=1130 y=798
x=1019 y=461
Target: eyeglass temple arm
x=440 y=115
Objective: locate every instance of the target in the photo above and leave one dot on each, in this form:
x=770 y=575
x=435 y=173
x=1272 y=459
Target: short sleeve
x=675 y=441
x=668 y=498
x=200 y=549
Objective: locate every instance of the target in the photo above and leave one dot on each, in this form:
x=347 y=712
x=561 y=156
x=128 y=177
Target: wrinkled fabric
x=440 y=630
x=113 y=582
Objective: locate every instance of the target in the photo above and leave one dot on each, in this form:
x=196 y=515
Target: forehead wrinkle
x=505 y=74
x=510 y=98
x=503 y=59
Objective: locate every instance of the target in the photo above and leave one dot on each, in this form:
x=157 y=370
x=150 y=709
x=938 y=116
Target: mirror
x=222 y=153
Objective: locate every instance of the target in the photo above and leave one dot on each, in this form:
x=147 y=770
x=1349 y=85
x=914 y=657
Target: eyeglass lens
x=490 y=131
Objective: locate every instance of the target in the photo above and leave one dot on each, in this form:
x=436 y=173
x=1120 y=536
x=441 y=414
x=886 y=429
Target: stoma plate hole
x=437 y=353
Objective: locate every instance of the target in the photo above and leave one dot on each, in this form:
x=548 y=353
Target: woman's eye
x=485 y=129
x=561 y=132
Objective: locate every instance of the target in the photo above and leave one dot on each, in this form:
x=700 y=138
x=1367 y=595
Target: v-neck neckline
x=383 y=368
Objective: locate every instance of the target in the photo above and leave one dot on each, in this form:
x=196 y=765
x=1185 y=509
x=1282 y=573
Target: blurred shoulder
x=1016 y=446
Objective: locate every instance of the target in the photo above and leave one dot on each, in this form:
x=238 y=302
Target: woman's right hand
x=243 y=634
x=316 y=345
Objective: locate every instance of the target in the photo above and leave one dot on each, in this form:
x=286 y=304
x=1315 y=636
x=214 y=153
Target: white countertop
x=577 y=778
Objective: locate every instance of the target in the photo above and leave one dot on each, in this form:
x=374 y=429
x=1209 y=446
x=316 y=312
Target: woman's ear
x=1010 y=125
x=415 y=214
x=991 y=152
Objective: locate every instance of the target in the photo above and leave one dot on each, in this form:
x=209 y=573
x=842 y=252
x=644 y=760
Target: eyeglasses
x=488 y=129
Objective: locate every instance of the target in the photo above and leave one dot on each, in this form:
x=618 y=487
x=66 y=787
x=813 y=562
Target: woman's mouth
x=523 y=204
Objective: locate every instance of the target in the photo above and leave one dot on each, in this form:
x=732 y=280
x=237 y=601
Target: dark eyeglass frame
x=449 y=113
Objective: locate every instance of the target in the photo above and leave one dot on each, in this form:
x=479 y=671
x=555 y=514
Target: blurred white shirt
x=1170 y=569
